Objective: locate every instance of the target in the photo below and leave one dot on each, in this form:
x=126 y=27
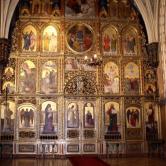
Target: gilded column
x=4 y=54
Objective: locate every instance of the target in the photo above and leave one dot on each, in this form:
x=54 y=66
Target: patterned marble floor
x=66 y=162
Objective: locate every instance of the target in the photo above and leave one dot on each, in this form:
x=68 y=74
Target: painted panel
x=7 y=117
x=80 y=38
x=89 y=119
x=72 y=116
x=132 y=82
x=111 y=78
x=133 y=117
x=29 y=38
x=129 y=42
x=49 y=42
x=110 y=41
x=112 y=118
x=27 y=77
x=49 y=118
x=26 y=114
x=49 y=78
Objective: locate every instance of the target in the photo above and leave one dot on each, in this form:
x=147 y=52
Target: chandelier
x=93 y=60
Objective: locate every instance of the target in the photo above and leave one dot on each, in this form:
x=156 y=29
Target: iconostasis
x=53 y=102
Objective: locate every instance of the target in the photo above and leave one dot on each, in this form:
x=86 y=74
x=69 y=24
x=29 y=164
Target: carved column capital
x=4 y=51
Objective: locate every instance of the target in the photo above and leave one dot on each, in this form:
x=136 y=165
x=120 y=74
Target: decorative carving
x=134 y=148
x=89 y=147
x=72 y=134
x=81 y=85
x=73 y=148
x=134 y=134
x=4 y=50
x=26 y=148
x=89 y=134
x=41 y=6
x=152 y=50
x=29 y=134
x=25 y=8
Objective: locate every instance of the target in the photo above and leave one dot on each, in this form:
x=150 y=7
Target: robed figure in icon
x=8 y=122
x=133 y=118
x=113 y=127
x=151 y=123
x=48 y=126
x=27 y=117
x=72 y=116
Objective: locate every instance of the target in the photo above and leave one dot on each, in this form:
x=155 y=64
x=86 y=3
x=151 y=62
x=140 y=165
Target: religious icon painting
x=27 y=77
x=131 y=74
x=56 y=8
x=133 y=117
x=150 y=89
x=112 y=117
x=49 y=118
x=7 y=117
x=26 y=114
x=103 y=8
x=149 y=75
x=29 y=38
x=8 y=73
x=79 y=9
x=50 y=39
x=151 y=112
x=79 y=38
x=129 y=42
x=72 y=115
x=49 y=78
x=8 y=87
x=89 y=120
x=110 y=41
x=71 y=64
x=111 y=78
x=151 y=120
